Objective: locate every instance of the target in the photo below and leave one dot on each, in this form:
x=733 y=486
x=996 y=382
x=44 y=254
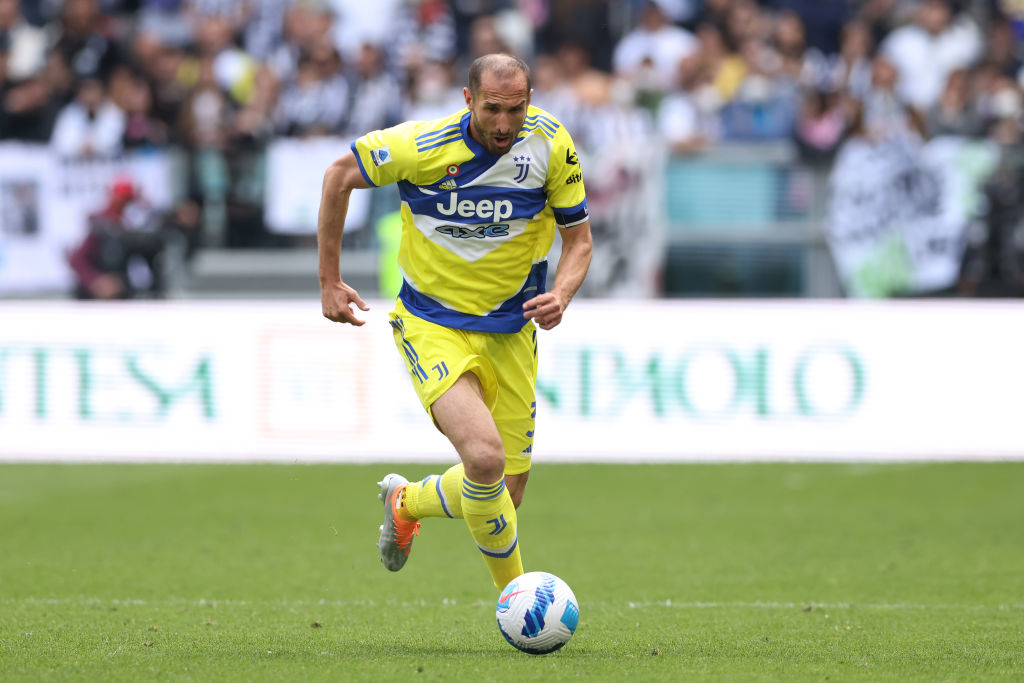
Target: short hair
x=501 y=65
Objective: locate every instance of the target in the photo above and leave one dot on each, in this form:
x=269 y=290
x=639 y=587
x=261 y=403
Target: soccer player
x=482 y=192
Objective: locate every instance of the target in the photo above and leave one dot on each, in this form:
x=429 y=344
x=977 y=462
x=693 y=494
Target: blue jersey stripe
x=432 y=135
x=440 y=143
x=494 y=204
x=548 y=124
x=361 y=169
x=506 y=318
x=541 y=117
x=541 y=130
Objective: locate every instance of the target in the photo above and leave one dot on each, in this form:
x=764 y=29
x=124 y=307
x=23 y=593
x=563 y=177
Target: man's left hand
x=546 y=309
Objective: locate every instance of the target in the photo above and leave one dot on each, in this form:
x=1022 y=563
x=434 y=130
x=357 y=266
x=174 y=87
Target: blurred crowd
x=219 y=79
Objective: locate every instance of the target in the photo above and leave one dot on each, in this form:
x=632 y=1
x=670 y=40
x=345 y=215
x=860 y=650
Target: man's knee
x=484 y=459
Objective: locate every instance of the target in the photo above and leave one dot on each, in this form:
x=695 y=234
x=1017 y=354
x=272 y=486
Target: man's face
x=498 y=111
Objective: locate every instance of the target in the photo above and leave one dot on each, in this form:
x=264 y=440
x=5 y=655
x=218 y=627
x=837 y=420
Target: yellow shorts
x=505 y=364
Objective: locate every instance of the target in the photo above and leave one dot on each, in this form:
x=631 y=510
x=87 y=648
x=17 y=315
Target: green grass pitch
x=683 y=572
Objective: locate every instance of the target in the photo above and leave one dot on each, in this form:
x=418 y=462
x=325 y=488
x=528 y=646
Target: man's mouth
x=502 y=140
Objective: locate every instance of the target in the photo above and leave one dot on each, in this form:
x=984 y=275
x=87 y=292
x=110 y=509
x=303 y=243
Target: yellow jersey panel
x=476 y=228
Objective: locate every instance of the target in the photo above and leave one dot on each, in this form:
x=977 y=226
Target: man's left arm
x=577 y=246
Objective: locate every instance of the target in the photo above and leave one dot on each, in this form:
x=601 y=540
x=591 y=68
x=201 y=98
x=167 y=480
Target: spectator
x=317 y=101
x=552 y=90
x=166 y=22
x=126 y=252
x=822 y=124
x=142 y=128
x=433 y=92
x=91 y=125
x=882 y=114
x=29 y=107
x=744 y=22
x=86 y=41
x=686 y=125
x=206 y=113
x=164 y=67
x=725 y=68
x=765 y=105
x=648 y=56
x=425 y=33
x=715 y=12
x=993 y=262
x=253 y=123
x=926 y=51
x=954 y=113
x=589 y=24
x=262 y=26
x=233 y=69
x=25 y=44
x=377 y=96
x=1002 y=47
x=606 y=112
x=823 y=20
x=306 y=23
x=789 y=41
x=850 y=71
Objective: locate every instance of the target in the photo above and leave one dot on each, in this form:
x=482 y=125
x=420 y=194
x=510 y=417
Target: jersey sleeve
x=564 y=184
x=386 y=156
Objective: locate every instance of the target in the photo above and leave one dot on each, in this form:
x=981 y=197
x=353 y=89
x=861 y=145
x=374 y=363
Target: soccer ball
x=537 y=613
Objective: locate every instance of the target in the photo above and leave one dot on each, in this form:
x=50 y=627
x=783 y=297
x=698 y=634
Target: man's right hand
x=337 y=299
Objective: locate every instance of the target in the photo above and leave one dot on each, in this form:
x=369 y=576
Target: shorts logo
x=381 y=155
x=523 y=164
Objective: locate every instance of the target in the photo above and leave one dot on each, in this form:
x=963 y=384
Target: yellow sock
x=491 y=518
x=438 y=495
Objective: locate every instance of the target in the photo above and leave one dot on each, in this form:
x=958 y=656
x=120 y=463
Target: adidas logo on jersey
x=448 y=184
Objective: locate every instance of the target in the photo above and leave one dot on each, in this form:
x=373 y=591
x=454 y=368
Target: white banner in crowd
x=45 y=202
x=245 y=381
x=295 y=178
x=898 y=212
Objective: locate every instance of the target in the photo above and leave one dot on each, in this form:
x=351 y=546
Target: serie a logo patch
x=381 y=155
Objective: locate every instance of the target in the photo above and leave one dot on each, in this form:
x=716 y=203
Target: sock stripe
x=440 y=495
x=473 y=495
x=501 y=552
x=482 y=488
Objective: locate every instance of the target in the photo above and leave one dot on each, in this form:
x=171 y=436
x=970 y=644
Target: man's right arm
x=336 y=297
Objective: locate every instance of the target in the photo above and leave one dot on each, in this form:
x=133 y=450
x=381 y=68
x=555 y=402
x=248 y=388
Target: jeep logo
x=480 y=231
x=485 y=209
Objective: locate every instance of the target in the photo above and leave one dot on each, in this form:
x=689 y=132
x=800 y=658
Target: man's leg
x=437 y=495
x=516 y=485
x=440 y=495
x=487 y=507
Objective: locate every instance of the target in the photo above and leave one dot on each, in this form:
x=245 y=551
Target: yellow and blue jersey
x=476 y=228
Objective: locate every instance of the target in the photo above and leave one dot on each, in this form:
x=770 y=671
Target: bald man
x=483 y=191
